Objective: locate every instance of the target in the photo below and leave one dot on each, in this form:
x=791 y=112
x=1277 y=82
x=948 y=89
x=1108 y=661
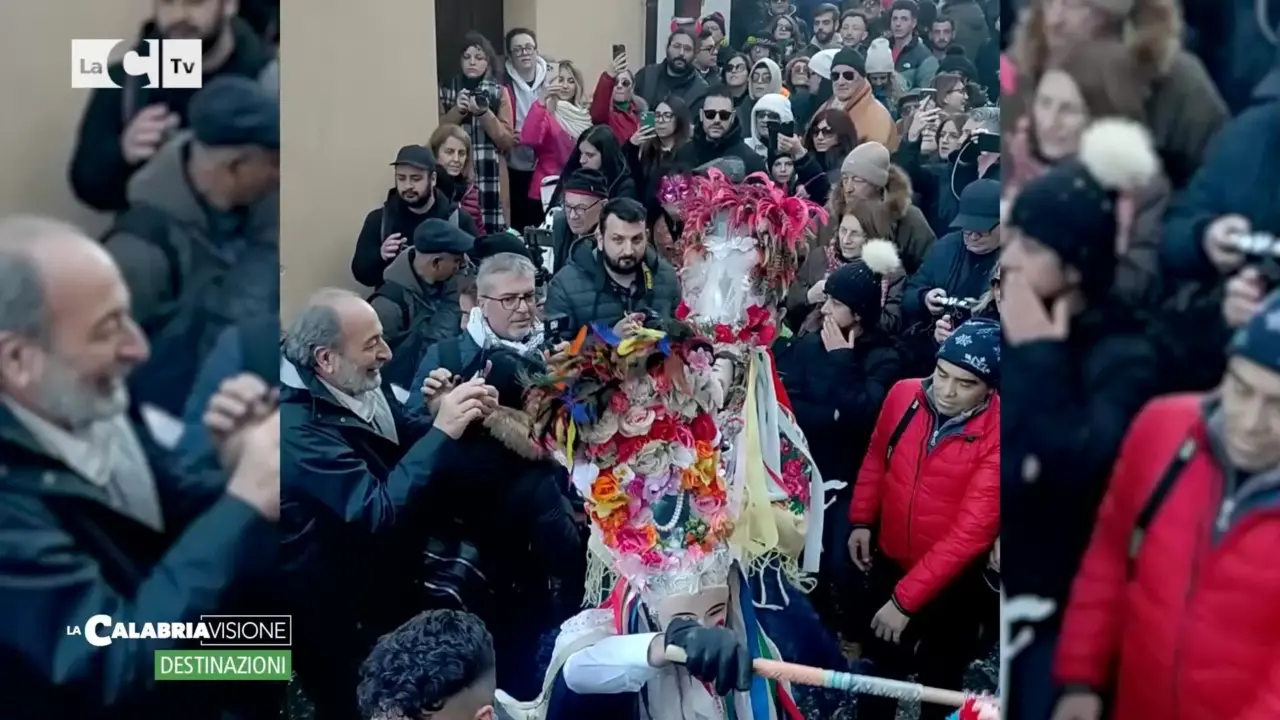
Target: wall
x=358 y=81
x=346 y=112
x=42 y=111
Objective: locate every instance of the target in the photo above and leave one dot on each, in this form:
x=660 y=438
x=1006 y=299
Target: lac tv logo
x=167 y=64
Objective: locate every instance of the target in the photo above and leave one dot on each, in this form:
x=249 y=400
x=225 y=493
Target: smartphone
x=647 y=120
x=928 y=97
x=554 y=332
x=619 y=50
x=988 y=142
x=787 y=128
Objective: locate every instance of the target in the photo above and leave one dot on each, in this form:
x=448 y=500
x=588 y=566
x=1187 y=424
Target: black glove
x=714 y=655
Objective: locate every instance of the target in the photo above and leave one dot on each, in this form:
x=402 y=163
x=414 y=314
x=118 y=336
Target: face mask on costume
x=710 y=606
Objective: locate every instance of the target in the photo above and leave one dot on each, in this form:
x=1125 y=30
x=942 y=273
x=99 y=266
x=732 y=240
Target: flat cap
x=439 y=236
x=233 y=111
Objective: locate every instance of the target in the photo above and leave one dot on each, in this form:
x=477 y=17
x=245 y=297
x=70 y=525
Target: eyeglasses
x=823 y=132
x=721 y=114
x=579 y=210
x=524 y=49
x=736 y=67
x=844 y=75
x=513 y=302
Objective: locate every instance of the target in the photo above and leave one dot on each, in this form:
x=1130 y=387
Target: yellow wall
x=41 y=110
x=347 y=111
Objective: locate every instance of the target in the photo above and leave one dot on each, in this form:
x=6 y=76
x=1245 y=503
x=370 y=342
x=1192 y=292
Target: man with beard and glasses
x=825 y=21
x=418 y=303
x=388 y=230
x=619 y=275
x=122 y=129
x=674 y=76
x=719 y=135
x=96 y=518
x=354 y=469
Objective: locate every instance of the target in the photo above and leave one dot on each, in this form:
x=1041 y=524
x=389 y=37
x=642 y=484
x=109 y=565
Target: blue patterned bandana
x=1259 y=340
x=975 y=346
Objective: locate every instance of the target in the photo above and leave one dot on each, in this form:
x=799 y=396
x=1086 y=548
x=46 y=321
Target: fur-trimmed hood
x=514 y=429
x=1152 y=32
x=897 y=192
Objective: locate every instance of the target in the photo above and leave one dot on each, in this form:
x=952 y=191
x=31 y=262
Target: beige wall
x=357 y=82
x=349 y=100
x=41 y=110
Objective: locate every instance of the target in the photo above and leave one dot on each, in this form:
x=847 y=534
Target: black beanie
x=957 y=63
x=587 y=182
x=852 y=58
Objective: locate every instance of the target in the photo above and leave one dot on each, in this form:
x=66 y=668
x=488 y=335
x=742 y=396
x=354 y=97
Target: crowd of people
x=1021 y=277
x=1142 y=375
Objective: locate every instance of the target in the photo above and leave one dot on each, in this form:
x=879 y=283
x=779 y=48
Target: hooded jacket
x=582 y=292
x=99 y=173
x=406 y=304
x=191 y=271
x=776 y=104
x=911 y=231
x=701 y=149
x=1186 y=628
x=973 y=31
x=394 y=217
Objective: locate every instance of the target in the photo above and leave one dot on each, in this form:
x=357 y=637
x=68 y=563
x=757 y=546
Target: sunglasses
x=844 y=75
x=824 y=132
x=736 y=67
x=721 y=114
x=624 y=83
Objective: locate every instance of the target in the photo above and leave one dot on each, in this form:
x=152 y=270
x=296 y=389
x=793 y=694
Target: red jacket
x=470 y=204
x=1194 y=633
x=623 y=123
x=938 y=510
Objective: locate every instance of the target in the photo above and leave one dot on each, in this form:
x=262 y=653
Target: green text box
x=243 y=664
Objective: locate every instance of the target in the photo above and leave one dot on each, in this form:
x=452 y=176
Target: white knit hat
x=820 y=63
x=879 y=57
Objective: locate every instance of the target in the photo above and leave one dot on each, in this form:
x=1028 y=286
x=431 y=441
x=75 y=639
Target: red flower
x=756 y=316
x=682 y=311
x=619 y=403
x=703 y=428
x=663 y=429
x=629 y=447
x=724 y=334
x=767 y=334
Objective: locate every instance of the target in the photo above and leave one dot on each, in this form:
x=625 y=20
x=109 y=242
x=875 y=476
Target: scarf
x=526 y=94
x=484 y=336
x=575 y=119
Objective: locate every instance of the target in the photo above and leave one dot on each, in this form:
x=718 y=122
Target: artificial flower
x=723 y=333
x=618 y=403
x=653 y=459
x=641 y=391
x=655 y=487
x=700 y=359
x=682 y=311
x=663 y=384
x=628 y=447
x=606 y=494
x=583 y=475
x=681 y=456
x=612 y=521
x=664 y=428
x=634 y=541
x=704 y=451
x=709 y=505
x=684 y=436
x=652 y=559
x=624 y=473
x=703 y=429
x=691 y=480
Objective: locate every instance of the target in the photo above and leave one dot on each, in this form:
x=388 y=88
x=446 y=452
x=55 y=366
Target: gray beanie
x=869 y=161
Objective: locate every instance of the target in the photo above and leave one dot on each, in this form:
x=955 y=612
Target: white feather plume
x=881 y=256
x=1119 y=154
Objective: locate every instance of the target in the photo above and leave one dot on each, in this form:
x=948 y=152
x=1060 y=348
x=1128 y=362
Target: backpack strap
x=900 y=429
x=150 y=224
x=1186 y=451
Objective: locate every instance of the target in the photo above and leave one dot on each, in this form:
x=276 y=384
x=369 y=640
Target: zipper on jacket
x=1187 y=596
x=930 y=432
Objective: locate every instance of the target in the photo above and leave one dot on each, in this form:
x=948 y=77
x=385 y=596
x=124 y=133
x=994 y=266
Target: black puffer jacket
x=583 y=292
x=702 y=150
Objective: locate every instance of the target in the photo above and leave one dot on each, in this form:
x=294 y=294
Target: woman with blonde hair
x=457 y=171
x=555 y=123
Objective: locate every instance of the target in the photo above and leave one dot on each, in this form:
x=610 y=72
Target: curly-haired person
x=439 y=665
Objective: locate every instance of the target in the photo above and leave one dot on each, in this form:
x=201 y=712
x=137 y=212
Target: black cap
x=979 y=207
x=957 y=63
x=860 y=288
x=233 y=111
x=586 y=182
x=439 y=236
x=498 y=243
x=419 y=156
x=850 y=58
x=1069 y=212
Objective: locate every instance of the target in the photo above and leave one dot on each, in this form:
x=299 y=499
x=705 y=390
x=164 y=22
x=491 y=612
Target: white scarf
x=484 y=336
x=573 y=118
x=527 y=94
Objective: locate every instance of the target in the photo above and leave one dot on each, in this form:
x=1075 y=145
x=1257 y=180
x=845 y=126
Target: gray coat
x=583 y=292
x=412 y=301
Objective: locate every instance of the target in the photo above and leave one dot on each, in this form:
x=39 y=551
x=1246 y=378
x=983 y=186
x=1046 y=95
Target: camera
x=537 y=241
x=960 y=309
x=480 y=101
x=1261 y=251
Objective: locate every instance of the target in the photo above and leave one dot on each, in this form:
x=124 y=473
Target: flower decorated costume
x=633 y=418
